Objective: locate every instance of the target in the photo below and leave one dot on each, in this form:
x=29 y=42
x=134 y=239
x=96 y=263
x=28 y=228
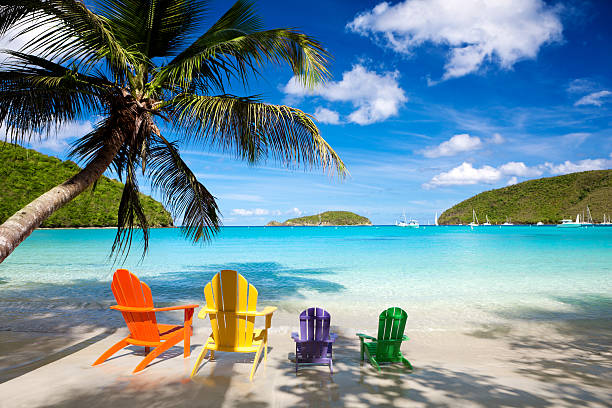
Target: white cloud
x=57 y=139
x=497 y=139
x=581 y=86
x=467 y=174
x=325 y=115
x=595 y=98
x=376 y=97
x=295 y=211
x=456 y=144
x=519 y=169
x=475 y=31
x=582 y=165
x=246 y=213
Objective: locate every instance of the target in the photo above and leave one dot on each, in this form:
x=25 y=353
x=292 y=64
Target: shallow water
x=445 y=277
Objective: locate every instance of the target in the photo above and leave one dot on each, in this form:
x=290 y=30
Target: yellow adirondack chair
x=232 y=317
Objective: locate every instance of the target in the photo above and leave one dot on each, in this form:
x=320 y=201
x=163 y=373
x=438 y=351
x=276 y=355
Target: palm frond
x=253 y=131
x=69 y=32
x=236 y=47
x=182 y=191
x=158 y=28
x=130 y=215
x=37 y=94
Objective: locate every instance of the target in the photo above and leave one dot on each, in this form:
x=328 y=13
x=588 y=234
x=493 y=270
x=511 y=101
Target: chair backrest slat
x=314 y=329
x=129 y=291
x=229 y=293
x=391 y=325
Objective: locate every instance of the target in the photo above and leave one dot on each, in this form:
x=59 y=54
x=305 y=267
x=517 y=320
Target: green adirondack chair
x=386 y=348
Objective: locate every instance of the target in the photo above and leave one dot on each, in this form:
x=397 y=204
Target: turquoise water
x=443 y=276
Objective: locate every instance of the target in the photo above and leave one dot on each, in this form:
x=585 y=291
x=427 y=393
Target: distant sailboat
x=508 y=221
x=606 y=223
x=488 y=223
x=474 y=222
x=436 y=219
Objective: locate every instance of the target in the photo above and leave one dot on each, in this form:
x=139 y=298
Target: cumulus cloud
x=582 y=165
x=456 y=144
x=475 y=31
x=374 y=96
x=325 y=115
x=594 y=98
x=247 y=213
x=519 y=169
x=467 y=174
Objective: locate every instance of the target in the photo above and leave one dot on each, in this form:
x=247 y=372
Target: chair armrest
x=404 y=337
x=204 y=311
x=268 y=310
x=165 y=309
x=365 y=336
x=295 y=336
x=131 y=308
x=333 y=337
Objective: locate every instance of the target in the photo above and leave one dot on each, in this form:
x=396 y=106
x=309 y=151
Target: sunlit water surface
x=445 y=277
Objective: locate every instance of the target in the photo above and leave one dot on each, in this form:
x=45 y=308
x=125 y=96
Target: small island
x=327 y=218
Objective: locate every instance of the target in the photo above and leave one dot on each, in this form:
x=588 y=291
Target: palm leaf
x=182 y=192
x=253 y=131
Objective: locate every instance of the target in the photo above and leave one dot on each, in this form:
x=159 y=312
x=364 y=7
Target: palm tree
x=147 y=70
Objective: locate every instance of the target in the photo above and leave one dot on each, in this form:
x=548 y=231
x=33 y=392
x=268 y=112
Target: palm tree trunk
x=19 y=226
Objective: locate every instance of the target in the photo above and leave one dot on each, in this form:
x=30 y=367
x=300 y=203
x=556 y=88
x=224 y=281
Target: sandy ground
x=526 y=364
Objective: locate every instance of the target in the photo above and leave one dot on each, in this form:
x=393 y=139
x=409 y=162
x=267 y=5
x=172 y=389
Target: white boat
x=589 y=219
x=567 y=223
x=488 y=223
x=436 y=219
x=403 y=223
x=474 y=222
x=540 y=223
x=508 y=221
x=606 y=223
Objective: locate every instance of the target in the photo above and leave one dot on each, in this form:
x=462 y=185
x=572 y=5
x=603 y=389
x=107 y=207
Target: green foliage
x=326 y=218
x=26 y=174
x=547 y=199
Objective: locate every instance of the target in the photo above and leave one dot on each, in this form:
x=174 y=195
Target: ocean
x=446 y=277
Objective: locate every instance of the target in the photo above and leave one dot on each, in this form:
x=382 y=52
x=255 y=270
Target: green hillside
x=547 y=199
x=26 y=174
x=325 y=218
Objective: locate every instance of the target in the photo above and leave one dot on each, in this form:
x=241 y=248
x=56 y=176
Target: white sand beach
x=565 y=364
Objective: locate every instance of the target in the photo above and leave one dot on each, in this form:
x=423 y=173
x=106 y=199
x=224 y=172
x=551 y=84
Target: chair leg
x=407 y=363
x=361 y=348
x=256 y=360
x=115 y=348
x=157 y=351
x=266 y=349
x=331 y=367
x=187 y=343
x=199 y=360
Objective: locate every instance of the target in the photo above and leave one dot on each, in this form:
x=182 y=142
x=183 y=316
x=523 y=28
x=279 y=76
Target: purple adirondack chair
x=314 y=343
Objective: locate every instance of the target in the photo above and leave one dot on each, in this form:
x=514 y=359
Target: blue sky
x=430 y=103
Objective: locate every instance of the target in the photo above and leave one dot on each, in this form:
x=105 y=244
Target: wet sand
x=519 y=364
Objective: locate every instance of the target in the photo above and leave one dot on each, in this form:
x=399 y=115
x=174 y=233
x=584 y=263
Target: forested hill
x=26 y=174
x=547 y=199
x=325 y=218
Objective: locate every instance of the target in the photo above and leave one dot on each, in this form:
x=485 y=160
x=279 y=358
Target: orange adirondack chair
x=232 y=317
x=134 y=301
